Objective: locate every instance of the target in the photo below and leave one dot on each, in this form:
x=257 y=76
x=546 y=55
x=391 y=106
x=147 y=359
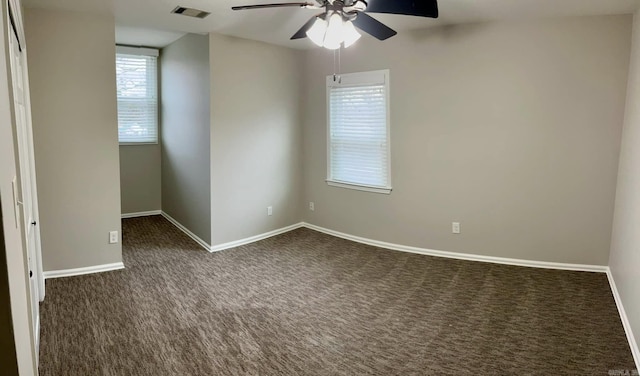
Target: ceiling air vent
x=191 y=12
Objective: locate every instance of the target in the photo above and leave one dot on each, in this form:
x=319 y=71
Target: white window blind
x=358 y=141
x=137 y=88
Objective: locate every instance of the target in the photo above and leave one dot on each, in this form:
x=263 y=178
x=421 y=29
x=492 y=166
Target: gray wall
x=255 y=137
x=513 y=129
x=140 y=178
x=625 y=243
x=186 y=181
x=73 y=96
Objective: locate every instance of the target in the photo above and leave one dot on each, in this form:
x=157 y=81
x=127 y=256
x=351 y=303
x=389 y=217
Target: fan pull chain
x=340 y=63
x=336 y=76
x=334 y=66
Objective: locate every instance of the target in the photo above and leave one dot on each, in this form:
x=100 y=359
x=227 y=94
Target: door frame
x=20 y=295
x=15 y=14
x=23 y=188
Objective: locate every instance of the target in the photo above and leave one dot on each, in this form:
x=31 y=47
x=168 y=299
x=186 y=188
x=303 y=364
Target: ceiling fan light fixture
x=333 y=37
x=332 y=30
x=359 y=5
x=317 y=32
x=350 y=34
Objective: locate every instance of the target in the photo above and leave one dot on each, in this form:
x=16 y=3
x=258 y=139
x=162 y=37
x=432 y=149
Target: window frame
x=351 y=80
x=143 y=51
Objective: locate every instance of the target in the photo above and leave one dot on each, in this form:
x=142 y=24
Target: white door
x=27 y=176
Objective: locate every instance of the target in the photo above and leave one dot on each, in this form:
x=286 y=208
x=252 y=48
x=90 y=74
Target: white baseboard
x=422 y=251
x=625 y=320
x=461 y=256
x=82 y=271
x=251 y=239
x=190 y=234
x=142 y=214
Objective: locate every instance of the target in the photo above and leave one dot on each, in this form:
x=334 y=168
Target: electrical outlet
x=455 y=227
x=270 y=210
x=113 y=237
x=312 y=206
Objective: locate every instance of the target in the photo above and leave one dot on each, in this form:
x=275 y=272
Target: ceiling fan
x=337 y=24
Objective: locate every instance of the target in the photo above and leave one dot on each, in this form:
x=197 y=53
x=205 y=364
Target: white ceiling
x=149 y=22
x=136 y=36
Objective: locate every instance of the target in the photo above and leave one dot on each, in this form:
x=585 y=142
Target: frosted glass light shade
x=350 y=34
x=333 y=36
x=317 y=31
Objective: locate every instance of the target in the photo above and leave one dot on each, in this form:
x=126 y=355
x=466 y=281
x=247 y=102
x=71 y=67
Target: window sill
x=137 y=143
x=366 y=188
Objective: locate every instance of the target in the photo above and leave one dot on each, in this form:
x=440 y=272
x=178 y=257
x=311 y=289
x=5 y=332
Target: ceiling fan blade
x=372 y=26
x=276 y=5
x=302 y=33
x=421 y=8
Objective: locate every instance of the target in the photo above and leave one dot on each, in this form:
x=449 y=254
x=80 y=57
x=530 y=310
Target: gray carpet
x=305 y=303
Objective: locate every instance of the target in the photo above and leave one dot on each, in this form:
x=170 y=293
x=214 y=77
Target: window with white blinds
x=358 y=134
x=137 y=88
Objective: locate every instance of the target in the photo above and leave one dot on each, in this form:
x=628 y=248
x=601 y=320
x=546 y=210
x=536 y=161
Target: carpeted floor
x=305 y=303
